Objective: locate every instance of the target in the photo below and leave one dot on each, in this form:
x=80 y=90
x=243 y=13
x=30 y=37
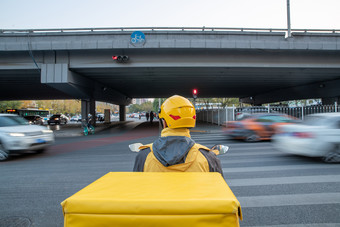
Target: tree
x=101 y=106
x=220 y=102
x=156 y=105
x=227 y=101
x=4 y=105
x=28 y=104
x=134 y=108
x=70 y=106
x=144 y=107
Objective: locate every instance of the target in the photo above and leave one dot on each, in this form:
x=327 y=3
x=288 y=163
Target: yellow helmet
x=178 y=112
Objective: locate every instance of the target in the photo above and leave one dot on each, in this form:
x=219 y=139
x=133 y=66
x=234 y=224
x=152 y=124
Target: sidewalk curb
x=78 y=131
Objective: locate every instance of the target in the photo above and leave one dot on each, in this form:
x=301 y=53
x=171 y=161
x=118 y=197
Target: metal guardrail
x=163 y=29
x=220 y=115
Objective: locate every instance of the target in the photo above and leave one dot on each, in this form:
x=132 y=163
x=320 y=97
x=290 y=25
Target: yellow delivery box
x=154 y=199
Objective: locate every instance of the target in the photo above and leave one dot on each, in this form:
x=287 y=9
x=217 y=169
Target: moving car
x=132 y=115
x=46 y=118
x=35 y=120
x=256 y=127
x=58 y=119
x=74 y=118
x=317 y=136
x=100 y=117
x=17 y=136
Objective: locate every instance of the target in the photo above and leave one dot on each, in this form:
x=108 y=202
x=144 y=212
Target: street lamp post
x=288 y=18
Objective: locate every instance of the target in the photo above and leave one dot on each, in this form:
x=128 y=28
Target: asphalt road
x=274 y=189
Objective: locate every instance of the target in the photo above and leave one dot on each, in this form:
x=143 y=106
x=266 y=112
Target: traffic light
x=194 y=93
x=121 y=58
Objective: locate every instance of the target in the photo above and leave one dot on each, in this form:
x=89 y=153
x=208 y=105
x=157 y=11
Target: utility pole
x=288 y=19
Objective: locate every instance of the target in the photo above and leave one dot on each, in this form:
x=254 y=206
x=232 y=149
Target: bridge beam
x=324 y=90
x=61 y=78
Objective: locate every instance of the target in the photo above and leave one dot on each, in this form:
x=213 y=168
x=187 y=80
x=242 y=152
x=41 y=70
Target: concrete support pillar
x=92 y=105
x=88 y=107
x=85 y=109
x=107 y=116
x=122 y=113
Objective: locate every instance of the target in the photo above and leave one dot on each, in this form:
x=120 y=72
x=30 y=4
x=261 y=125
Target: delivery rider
x=175 y=150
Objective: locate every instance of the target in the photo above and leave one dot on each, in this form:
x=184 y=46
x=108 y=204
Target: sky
x=39 y=14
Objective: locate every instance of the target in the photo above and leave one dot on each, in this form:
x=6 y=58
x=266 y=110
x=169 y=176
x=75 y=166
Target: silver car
x=317 y=136
x=18 y=136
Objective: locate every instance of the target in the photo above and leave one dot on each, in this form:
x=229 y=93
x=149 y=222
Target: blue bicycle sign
x=137 y=38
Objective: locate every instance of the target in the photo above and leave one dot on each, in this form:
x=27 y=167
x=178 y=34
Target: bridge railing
x=161 y=29
x=219 y=116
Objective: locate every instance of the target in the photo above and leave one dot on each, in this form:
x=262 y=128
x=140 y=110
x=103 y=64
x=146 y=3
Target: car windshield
x=6 y=121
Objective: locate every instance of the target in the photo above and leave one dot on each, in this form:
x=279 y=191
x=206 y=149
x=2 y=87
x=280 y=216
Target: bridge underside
x=255 y=77
x=214 y=82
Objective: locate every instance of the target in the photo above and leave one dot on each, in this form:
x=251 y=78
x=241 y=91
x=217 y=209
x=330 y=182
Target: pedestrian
x=151 y=116
x=174 y=150
x=147 y=116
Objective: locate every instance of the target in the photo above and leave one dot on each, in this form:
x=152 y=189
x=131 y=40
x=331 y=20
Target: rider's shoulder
x=145 y=148
x=201 y=147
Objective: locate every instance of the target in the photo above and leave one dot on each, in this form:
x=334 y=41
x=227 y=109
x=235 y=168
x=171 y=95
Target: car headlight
x=16 y=134
x=47 y=131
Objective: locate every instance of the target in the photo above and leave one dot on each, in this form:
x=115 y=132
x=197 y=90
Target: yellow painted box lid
x=154 y=198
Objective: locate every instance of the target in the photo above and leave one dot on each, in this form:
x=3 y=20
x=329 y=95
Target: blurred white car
x=17 y=136
x=317 y=136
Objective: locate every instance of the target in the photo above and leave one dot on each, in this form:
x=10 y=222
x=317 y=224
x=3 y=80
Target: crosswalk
x=277 y=189
x=210 y=139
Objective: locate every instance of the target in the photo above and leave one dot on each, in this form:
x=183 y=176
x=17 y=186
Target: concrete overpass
x=256 y=65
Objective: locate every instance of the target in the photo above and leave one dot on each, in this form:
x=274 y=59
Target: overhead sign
x=137 y=38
